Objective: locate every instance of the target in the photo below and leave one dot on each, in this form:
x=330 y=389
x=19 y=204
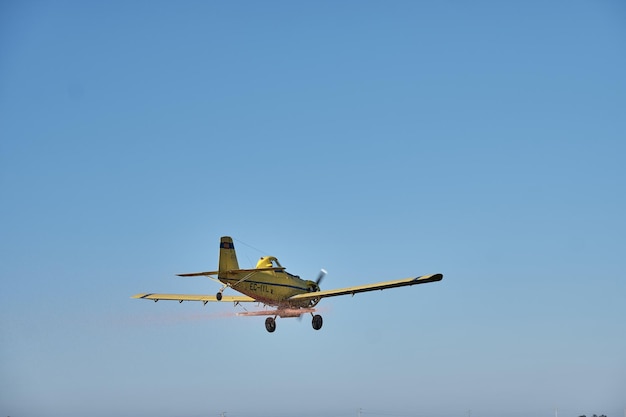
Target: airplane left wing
x=369 y=287
x=193 y=297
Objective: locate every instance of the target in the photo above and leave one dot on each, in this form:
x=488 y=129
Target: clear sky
x=378 y=140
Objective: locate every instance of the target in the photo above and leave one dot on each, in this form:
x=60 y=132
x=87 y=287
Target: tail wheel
x=317 y=322
x=270 y=324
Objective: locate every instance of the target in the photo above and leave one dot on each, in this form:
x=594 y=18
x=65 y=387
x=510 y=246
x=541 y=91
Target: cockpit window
x=268 y=262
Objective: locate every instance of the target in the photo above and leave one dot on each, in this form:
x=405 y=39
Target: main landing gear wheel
x=218 y=296
x=270 y=324
x=317 y=322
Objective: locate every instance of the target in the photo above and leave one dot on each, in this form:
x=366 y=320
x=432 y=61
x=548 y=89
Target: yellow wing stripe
x=369 y=287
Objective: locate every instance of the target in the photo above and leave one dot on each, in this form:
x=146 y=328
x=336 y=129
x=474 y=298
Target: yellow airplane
x=271 y=285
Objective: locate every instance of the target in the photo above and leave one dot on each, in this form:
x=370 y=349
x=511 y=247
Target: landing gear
x=270 y=324
x=219 y=293
x=317 y=322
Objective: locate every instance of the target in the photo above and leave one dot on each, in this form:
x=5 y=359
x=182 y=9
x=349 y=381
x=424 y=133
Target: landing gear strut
x=270 y=324
x=317 y=322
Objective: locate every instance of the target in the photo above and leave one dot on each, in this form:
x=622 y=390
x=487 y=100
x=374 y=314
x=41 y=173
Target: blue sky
x=377 y=140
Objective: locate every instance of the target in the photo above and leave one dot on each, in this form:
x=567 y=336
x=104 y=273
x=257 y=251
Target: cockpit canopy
x=268 y=262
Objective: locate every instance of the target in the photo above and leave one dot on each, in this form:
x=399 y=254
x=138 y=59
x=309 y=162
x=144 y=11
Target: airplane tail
x=228 y=257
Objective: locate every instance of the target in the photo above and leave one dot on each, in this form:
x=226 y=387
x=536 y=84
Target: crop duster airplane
x=270 y=284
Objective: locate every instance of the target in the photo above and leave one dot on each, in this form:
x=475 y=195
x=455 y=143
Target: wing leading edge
x=370 y=287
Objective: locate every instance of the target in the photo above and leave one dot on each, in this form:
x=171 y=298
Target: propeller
x=319 y=279
x=321 y=276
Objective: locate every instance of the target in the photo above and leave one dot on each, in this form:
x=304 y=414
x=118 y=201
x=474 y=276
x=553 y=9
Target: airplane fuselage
x=270 y=287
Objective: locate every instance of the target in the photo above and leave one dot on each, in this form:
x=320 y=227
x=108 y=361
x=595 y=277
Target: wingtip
x=430 y=278
x=139 y=295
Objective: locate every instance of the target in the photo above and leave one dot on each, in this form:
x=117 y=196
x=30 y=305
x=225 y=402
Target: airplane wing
x=193 y=297
x=369 y=287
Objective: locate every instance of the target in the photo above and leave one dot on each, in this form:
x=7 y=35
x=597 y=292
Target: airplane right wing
x=369 y=287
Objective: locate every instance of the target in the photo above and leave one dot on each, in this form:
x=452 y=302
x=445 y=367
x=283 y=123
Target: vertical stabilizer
x=228 y=258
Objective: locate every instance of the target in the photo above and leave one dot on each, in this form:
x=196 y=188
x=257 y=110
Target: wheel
x=317 y=322
x=218 y=296
x=270 y=324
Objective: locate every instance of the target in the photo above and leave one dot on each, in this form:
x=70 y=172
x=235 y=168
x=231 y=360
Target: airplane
x=271 y=285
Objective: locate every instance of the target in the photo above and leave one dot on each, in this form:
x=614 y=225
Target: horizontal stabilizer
x=199 y=274
x=232 y=271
